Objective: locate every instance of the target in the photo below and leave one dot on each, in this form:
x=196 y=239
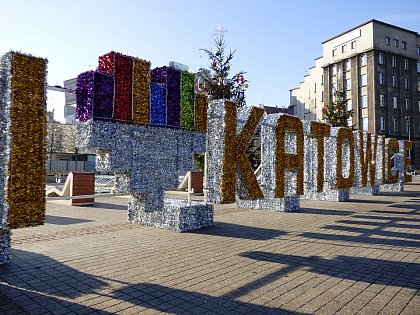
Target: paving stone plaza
x=356 y=257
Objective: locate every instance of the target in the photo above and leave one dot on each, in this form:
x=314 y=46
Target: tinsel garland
x=285 y=160
x=345 y=183
x=365 y=157
x=170 y=79
x=201 y=104
x=393 y=147
x=121 y=68
x=372 y=164
x=235 y=154
x=141 y=91
x=408 y=145
x=103 y=96
x=157 y=104
x=84 y=96
x=320 y=131
x=94 y=96
x=26 y=180
x=383 y=172
x=187 y=101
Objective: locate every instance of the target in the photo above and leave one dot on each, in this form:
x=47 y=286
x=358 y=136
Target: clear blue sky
x=276 y=41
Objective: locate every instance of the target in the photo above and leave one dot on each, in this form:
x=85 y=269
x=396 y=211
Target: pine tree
x=217 y=83
x=336 y=113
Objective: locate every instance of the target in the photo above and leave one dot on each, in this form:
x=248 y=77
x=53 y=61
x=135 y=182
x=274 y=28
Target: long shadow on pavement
x=176 y=301
x=369 y=270
x=57 y=220
x=37 y=279
x=240 y=231
x=324 y=211
x=110 y=206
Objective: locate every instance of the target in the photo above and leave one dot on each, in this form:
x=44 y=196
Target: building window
x=418 y=50
x=407 y=104
x=363 y=79
x=418 y=86
x=343 y=48
x=382 y=119
x=394 y=81
x=406 y=84
x=394 y=61
x=388 y=40
x=348 y=65
x=322 y=79
x=364 y=101
x=418 y=66
x=395 y=124
x=365 y=124
x=334 y=52
x=334 y=70
x=347 y=84
x=381 y=78
x=333 y=87
x=381 y=58
x=395 y=101
x=404 y=45
x=353 y=45
x=315 y=87
x=363 y=60
x=418 y=105
x=396 y=43
x=322 y=96
x=406 y=64
x=382 y=100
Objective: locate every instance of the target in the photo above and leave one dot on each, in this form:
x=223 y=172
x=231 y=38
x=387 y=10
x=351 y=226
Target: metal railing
x=69 y=166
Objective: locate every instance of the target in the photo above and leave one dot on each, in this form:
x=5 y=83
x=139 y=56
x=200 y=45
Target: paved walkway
x=358 y=257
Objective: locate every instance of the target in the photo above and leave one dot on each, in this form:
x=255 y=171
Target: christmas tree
x=336 y=113
x=217 y=84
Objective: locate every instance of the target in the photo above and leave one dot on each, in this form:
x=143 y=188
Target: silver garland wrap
x=357 y=188
x=330 y=192
x=177 y=216
x=5 y=140
x=379 y=166
x=147 y=161
x=215 y=144
x=398 y=167
x=291 y=201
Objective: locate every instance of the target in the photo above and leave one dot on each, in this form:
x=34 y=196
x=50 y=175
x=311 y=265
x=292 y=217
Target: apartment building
x=377 y=65
x=70 y=101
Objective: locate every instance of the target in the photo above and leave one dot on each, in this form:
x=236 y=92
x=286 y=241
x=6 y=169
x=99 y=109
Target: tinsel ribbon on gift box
x=141 y=91
x=121 y=68
x=187 y=101
x=170 y=78
x=94 y=96
x=200 y=104
x=157 y=104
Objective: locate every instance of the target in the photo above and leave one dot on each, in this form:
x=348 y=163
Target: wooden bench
x=196 y=182
x=77 y=184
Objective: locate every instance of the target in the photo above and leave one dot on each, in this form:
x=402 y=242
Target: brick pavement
x=358 y=257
